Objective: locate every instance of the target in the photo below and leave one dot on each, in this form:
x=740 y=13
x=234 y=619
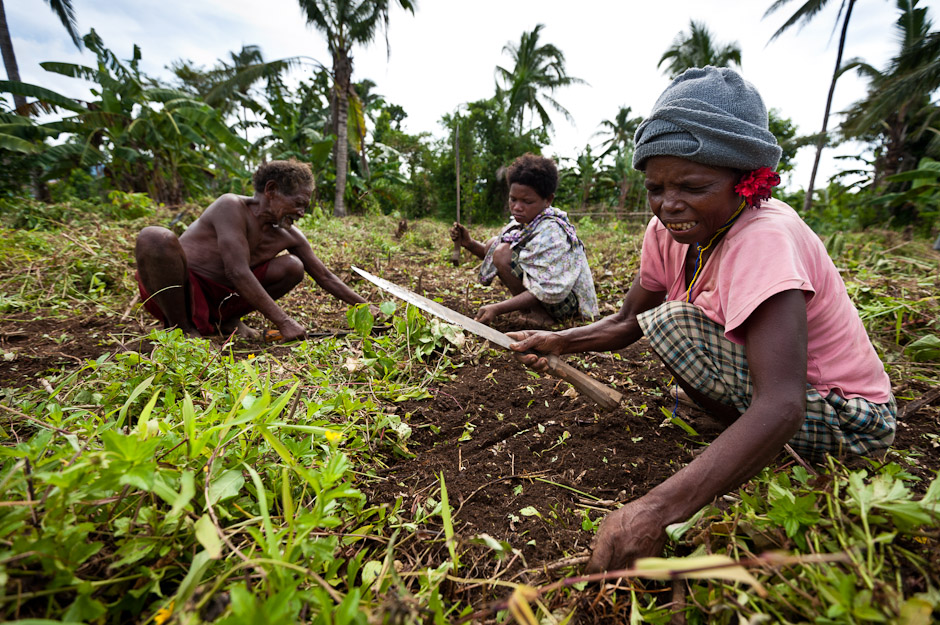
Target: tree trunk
x=622 y=196
x=9 y=60
x=808 y=201
x=342 y=68
x=455 y=257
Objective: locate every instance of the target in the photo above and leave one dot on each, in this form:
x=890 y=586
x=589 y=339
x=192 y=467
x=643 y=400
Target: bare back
x=232 y=232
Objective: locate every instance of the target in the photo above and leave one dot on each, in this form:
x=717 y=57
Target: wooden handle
x=606 y=397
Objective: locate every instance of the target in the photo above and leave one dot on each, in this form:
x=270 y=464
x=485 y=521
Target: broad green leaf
x=128 y=448
x=84 y=609
x=201 y=562
x=71 y=70
x=916 y=611
x=370 y=570
x=360 y=319
x=225 y=486
x=46 y=96
x=924 y=349
x=140 y=476
x=208 y=537
x=15 y=144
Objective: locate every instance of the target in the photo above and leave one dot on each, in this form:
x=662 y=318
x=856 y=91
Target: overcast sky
x=447 y=52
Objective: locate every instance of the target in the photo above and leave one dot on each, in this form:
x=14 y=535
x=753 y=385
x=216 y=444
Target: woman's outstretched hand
x=633 y=531
x=536 y=341
x=487 y=314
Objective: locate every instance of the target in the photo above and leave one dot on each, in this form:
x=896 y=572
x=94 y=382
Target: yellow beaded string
x=701 y=250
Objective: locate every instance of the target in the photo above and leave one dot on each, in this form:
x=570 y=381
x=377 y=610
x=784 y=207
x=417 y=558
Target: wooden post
x=455 y=257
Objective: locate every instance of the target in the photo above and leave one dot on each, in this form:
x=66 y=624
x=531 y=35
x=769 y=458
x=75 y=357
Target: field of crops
x=415 y=474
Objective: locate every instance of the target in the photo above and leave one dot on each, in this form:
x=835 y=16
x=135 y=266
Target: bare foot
x=247 y=333
x=676 y=393
x=241 y=330
x=536 y=320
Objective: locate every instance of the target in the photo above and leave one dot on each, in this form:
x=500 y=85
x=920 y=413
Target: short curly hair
x=534 y=171
x=290 y=176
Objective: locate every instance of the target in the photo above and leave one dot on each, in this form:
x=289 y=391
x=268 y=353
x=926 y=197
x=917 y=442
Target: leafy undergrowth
x=411 y=474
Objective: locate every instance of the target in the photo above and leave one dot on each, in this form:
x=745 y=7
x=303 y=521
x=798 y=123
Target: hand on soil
x=487 y=314
x=291 y=330
x=634 y=531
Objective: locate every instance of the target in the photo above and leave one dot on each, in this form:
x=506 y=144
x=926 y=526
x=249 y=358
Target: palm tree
x=901 y=122
x=235 y=80
x=697 y=49
x=62 y=8
x=346 y=23
x=538 y=69
x=803 y=16
x=619 y=131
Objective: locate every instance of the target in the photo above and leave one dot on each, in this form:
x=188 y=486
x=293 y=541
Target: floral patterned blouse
x=552 y=260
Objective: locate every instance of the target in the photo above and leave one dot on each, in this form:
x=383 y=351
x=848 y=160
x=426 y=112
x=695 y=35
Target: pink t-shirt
x=769 y=250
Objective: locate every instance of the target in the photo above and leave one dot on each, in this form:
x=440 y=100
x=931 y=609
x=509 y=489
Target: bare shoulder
x=227 y=205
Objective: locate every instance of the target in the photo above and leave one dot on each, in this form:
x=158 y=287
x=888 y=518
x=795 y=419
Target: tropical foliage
x=141 y=137
x=345 y=23
x=206 y=129
x=698 y=49
x=196 y=482
x=538 y=70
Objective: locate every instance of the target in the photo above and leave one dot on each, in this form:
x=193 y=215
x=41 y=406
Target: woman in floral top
x=538 y=255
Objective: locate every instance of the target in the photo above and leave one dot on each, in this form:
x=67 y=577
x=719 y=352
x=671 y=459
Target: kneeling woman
x=538 y=255
x=740 y=300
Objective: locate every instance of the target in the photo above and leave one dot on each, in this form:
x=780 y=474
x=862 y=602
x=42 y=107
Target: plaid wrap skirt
x=565 y=309
x=695 y=348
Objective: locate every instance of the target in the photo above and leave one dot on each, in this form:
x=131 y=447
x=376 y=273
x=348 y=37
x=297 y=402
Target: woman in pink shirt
x=742 y=303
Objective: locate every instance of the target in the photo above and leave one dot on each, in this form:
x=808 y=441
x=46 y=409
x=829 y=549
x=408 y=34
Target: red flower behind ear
x=755 y=186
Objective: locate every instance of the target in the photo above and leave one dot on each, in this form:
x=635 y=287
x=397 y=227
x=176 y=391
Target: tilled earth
x=526 y=460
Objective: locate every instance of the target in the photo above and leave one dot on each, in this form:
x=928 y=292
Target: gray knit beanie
x=712 y=116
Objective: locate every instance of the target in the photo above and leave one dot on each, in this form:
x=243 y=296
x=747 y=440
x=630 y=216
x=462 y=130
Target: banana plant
x=144 y=137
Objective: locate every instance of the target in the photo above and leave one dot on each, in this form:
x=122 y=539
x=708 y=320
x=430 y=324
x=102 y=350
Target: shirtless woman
x=229 y=261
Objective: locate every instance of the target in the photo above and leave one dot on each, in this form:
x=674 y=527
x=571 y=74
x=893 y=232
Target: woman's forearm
x=477 y=248
x=523 y=301
x=609 y=334
x=616 y=331
x=737 y=455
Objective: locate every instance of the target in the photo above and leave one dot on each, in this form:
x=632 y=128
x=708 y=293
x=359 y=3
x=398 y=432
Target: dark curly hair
x=289 y=176
x=534 y=171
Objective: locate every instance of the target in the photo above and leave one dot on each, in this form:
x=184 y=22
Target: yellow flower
x=250 y=356
x=332 y=436
x=163 y=614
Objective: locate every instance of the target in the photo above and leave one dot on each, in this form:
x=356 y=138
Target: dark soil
x=525 y=459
